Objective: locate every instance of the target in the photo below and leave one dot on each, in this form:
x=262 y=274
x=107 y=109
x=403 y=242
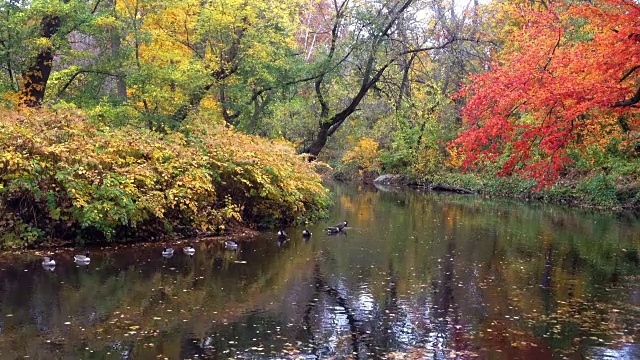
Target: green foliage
x=400 y=153
x=414 y=145
x=61 y=174
x=599 y=190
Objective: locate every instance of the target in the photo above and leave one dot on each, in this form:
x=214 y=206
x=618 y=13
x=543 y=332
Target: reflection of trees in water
x=372 y=327
x=422 y=277
x=501 y=246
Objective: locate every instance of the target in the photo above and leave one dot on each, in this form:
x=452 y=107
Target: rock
x=390 y=179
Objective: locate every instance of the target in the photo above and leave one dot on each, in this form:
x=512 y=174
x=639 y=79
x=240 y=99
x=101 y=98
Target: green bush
x=599 y=190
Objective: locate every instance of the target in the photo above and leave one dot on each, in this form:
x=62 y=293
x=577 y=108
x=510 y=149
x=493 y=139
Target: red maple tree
x=571 y=74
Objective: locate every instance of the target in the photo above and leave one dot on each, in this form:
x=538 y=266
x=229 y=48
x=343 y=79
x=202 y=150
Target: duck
x=282 y=234
x=167 y=252
x=336 y=229
x=82 y=259
x=48 y=262
x=231 y=245
x=306 y=233
x=189 y=250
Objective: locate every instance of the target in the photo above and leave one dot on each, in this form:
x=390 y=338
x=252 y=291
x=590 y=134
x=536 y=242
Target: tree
x=36 y=76
x=50 y=39
x=366 y=40
x=570 y=79
x=225 y=49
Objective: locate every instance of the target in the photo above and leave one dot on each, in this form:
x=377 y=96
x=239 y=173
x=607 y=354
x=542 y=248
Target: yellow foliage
x=455 y=159
x=428 y=161
x=11 y=97
x=188 y=44
x=70 y=171
x=365 y=155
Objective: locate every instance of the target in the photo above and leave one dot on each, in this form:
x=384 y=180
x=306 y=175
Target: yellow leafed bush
x=365 y=155
x=63 y=176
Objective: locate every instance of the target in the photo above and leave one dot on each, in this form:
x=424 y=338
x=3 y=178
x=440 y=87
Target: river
x=415 y=275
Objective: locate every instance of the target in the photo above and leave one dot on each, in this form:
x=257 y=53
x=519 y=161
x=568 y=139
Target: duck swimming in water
x=82 y=259
x=282 y=241
x=282 y=234
x=167 y=252
x=336 y=229
x=189 y=250
x=231 y=245
x=306 y=233
x=48 y=262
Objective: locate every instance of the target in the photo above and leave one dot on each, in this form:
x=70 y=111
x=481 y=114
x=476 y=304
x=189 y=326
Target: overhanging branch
x=85 y=71
x=628 y=73
x=634 y=100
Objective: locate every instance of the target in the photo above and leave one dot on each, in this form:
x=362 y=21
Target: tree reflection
x=434 y=277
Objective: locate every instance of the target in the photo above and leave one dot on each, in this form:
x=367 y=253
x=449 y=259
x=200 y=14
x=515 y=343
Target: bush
x=63 y=176
x=599 y=190
x=364 y=155
x=362 y=159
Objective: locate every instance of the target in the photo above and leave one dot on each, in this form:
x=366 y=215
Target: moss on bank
x=64 y=176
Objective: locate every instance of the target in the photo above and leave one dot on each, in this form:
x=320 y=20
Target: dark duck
x=336 y=229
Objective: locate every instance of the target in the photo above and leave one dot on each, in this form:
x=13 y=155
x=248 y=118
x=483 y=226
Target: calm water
x=416 y=275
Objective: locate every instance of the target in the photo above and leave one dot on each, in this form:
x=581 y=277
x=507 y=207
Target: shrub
x=364 y=157
x=599 y=190
x=62 y=175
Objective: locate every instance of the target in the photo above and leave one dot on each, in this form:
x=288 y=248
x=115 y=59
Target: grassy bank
x=64 y=176
x=600 y=191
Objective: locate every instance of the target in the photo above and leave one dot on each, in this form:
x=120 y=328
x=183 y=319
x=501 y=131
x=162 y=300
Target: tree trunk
x=321 y=139
x=327 y=128
x=36 y=77
x=116 y=42
x=121 y=86
x=405 y=90
x=370 y=77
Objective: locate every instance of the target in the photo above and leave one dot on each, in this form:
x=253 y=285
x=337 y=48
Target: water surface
x=416 y=275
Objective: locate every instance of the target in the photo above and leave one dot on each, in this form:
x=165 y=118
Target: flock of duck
x=49 y=263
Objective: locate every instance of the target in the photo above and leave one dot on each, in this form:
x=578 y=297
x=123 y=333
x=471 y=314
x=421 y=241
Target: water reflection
x=422 y=275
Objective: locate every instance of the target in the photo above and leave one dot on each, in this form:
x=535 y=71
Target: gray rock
x=390 y=179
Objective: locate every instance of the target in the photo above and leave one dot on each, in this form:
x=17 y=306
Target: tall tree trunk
x=121 y=86
x=329 y=126
x=37 y=75
x=116 y=41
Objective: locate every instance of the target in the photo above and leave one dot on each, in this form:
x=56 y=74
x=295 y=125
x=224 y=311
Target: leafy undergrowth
x=598 y=191
x=63 y=176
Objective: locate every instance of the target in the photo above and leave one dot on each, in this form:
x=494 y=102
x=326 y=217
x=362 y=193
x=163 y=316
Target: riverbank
x=52 y=246
x=599 y=192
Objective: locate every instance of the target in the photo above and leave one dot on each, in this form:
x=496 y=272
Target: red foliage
x=571 y=66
